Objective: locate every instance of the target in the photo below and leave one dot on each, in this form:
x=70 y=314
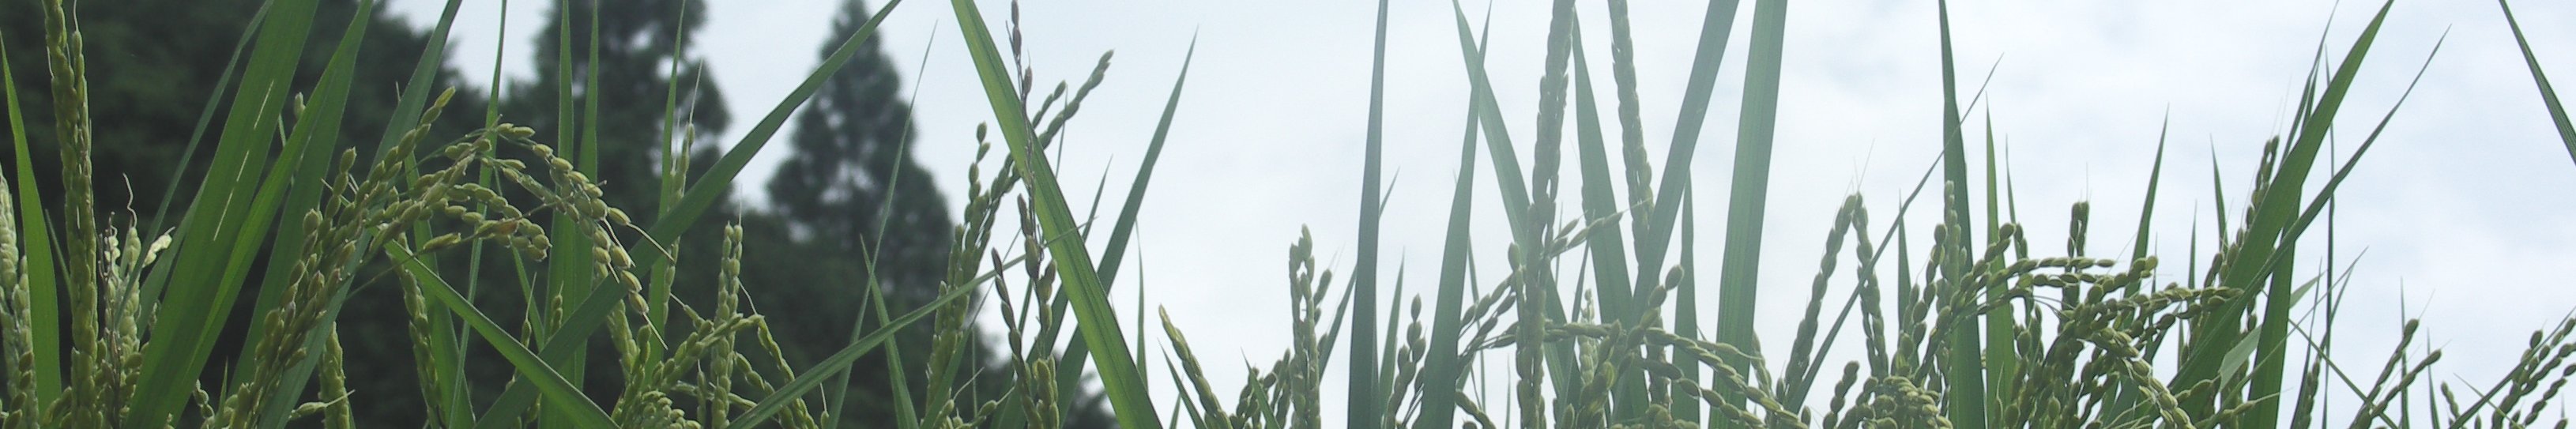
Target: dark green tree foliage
x=828 y=203
x=850 y=155
x=829 y=200
x=638 y=41
x=153 y=63
x=850 y=191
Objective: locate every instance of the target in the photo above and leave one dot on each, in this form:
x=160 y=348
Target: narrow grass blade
x=1367 y=398
x=718 y=178
x=573 y=273
x=1440 y=366
x=446 y=331
x=1656 y=233
x=674 y=179
x=2325 y=194
x=315 y=135
x=216 y=244
x=832 y=366
x=205 y=116
x=1526 y=228
x=558 y=391
x=1750 y=187
x=558 y=345
x=2002 y=362
x=701 y=197
x=1124 y=231
x=45 y=311
x=2267 y=231
x=2218 y=196
x=1080 y=278
x=2147 y=208
x=1507 y=168
x=1967 y=400
x=906 y=416
x=2548 y=95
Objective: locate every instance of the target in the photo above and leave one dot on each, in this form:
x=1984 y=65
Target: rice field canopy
x=345 y=255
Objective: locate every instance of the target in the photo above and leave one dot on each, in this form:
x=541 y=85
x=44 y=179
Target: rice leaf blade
x=1440 y=365
x=1366 y=395
x=205 y=116
x=840 y=361
x=1125 y=230
x=314 y=135
x=1655 y=235
x=212 y=242
x=2147 y=207
x=559 y=393
x=559 y=344
x=712 y=184
x=1507 y=168
x=1750 y=187
x=2548 y=94
x=44 y=315
x=701 y=197
x=1081 y=280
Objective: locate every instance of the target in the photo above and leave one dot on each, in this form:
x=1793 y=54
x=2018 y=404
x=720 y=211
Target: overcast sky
x=2461 y=215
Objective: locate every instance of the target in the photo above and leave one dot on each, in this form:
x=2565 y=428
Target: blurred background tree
x=849 y=191
x=155 y=61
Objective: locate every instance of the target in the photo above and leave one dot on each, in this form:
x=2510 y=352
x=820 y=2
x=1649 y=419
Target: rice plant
x=111 y=324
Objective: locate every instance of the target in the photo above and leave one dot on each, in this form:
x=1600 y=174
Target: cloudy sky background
x=2461 y=215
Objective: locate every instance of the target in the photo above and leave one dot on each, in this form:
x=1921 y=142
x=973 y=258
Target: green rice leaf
x=205 y=116
x=2318 y=205
x=1081 y=280
x=216 y=243
x=559 y=392
x=1366 y=395
x=2147 y=208
x=695 y=203
x=45 y=315
x=718 y=178
x=1440 y=366
x=2267 y=231
x=1600 y=204
x=558 y=345
x=2548 y=95
x=840 y=361
x=1120 y=235
x=1507 y=168
x=1750 y=186
x=1655 y=233
x=906 y=417
x=315 y=135
x=1967 y=401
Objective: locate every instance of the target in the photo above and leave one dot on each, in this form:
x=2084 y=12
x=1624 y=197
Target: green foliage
x=171 y=53
x=131 y=330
